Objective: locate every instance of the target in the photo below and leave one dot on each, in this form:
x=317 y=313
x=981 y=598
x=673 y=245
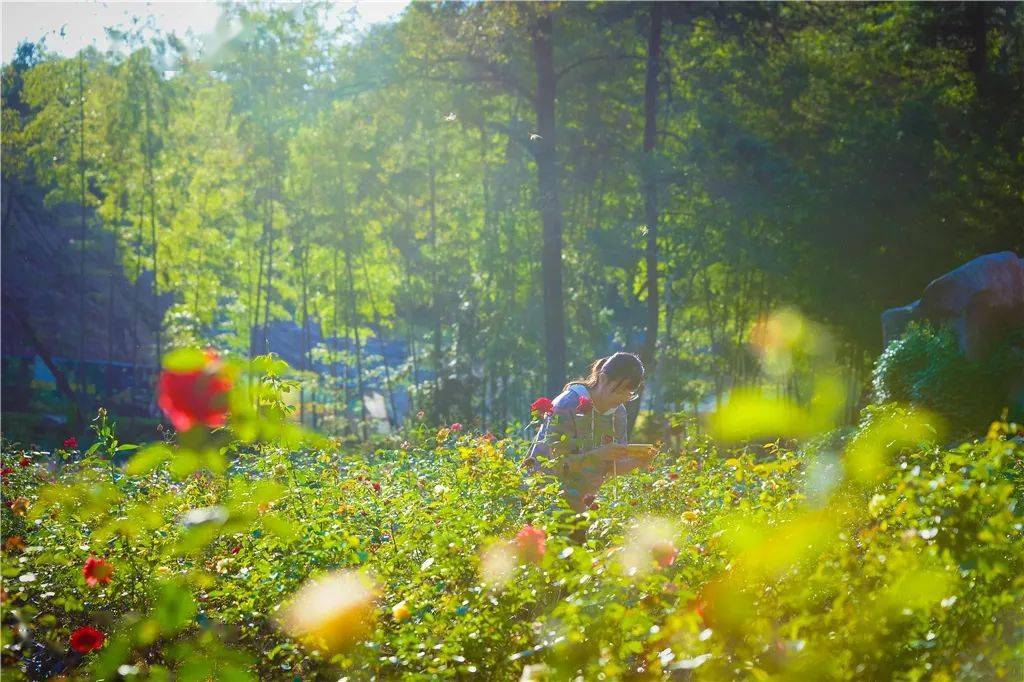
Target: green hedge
x=925 y=367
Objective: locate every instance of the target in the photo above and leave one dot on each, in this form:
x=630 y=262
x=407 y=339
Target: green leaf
x=184 y=360
x=175 y=608
x=280 y=527
x=185 y=463
x=114 y=653
x=147 y=459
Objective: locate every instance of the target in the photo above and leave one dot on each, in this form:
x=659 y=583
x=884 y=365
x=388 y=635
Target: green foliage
x=385 y=184
x=926 y=367
x=783 y=569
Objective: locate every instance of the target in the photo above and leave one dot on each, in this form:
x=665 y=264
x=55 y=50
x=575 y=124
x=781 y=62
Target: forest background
x=458 y=210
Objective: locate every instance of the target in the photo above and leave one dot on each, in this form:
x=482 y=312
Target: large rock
x=980 y=300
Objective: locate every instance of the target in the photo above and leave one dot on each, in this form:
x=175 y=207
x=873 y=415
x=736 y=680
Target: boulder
x=980 y=300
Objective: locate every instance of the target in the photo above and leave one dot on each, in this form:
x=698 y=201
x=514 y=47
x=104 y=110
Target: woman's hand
x=598 y=459
x=585 y=472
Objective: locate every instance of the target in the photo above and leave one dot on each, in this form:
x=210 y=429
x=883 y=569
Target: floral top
x=571 y=429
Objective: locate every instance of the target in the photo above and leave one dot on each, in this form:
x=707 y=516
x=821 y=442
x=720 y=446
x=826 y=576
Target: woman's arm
x=620 y=425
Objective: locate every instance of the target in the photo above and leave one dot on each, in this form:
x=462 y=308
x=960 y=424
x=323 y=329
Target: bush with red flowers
x=749 y=563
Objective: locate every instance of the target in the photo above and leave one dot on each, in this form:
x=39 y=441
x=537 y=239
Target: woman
x=582 y=440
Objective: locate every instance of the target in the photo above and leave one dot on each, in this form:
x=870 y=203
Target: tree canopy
x=514 y=189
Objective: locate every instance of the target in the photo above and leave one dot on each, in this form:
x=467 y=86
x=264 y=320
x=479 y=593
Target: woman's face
x=615 y=392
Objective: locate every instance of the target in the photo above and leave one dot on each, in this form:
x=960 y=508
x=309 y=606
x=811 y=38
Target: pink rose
x=531 y=544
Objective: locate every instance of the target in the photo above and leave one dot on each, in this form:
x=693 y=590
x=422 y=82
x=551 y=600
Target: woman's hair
x=618 y=366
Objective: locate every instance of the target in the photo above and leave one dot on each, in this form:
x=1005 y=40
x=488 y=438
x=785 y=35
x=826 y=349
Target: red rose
x=70 y=443
x=542 y=406
x=376 y=487
x=456 y=426
x=585 y=405
x=24 y=462
x=195 y=397
x=97 y=571
x=531 y=543
x=5 y=472
x=86 y=639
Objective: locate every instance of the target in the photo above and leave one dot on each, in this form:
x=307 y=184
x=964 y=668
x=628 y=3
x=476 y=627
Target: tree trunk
x=359 y=351
x=549 y=203
x=334 y=340
x=650 y=191
x=270 y=274
x=111 y=279
x=978 y=57
x=254 y=291
x=435 y=304
x=151 y=186
x=393 y=412
x=82 y=230
x=136 y=346
x=410 y=338
x=304 y=274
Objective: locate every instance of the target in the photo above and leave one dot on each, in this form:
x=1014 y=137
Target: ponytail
x=592 y=374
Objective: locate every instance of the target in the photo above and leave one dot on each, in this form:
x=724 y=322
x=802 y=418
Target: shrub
x=762 y=567
x=438 y=558
x=925 y=367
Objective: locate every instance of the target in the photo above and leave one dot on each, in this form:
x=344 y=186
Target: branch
x=594 y=58
x=493 y=73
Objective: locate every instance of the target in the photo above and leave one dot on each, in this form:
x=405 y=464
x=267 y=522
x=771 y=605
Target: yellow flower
x=20 y=506
x=400 y=611
x=332 y=612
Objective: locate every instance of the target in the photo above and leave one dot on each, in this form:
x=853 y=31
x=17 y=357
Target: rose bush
x=237 y=556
